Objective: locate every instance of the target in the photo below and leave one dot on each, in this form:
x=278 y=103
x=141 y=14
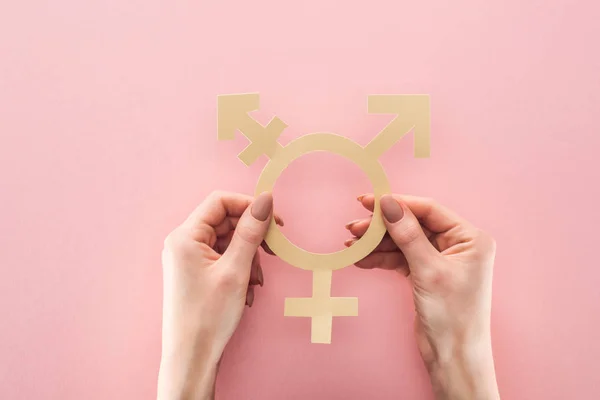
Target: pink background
x=108 y=140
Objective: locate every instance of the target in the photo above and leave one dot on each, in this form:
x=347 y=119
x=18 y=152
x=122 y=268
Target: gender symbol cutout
x=412 y=113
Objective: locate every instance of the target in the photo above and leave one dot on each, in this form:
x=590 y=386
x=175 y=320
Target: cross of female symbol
x=321 y=307
x=412 y=113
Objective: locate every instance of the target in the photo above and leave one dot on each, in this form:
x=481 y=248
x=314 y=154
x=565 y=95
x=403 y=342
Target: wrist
x=465 y=372
x=188 y=372
x=186 y=381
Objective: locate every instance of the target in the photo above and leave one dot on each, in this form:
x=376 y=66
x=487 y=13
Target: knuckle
x=485 y=245
x=439 y=279
x=430 y=202
x=172 y=240
x=215 y=195
x=409 y=233
x=249 y=234
x=179 y=244
x=485 y=240
x=442 y=277
x=229 y=280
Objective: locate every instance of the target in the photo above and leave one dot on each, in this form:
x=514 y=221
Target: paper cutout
x=321 y=307
x=412 y=113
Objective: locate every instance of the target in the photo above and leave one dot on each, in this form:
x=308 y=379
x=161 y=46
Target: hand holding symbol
x=211 y=265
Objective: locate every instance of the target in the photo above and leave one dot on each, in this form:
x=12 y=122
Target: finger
x=250 y=296
x=218 y=205
x=359 y=227
x=384 y=260
x=386 y=244
x=367 y=200
x=267 y=249
x=255 y=278
x=405 y=230
x=250 y=231
x=278 y=220
x=229 y=224
x=222 y=244
x=432 y=215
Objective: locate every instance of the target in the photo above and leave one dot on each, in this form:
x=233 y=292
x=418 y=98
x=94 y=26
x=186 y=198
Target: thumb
x=250 y=230
x=406 y=232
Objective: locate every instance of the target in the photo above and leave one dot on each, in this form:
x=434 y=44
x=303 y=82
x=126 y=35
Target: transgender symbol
x=412 y=113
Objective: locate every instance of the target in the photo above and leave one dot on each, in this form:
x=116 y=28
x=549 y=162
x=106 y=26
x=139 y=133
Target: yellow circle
x=345 y=147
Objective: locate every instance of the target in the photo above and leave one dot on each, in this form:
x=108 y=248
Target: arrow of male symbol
x=412 y=113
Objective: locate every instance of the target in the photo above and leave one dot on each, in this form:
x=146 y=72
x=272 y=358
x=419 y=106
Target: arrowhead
x=232 y=110
x=412 y=114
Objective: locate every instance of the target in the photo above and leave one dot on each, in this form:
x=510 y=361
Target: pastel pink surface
x=108 y=140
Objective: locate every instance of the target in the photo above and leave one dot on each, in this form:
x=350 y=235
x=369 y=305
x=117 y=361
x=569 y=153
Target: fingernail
x=250 y=297
x=262 y=206
x=349 y=224
x=267 y=249
x=261 y=279
x=362 y=196
x=349 y=242
x=392 y=211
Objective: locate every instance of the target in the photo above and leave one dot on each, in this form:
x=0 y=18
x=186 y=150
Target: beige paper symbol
x=412 y=113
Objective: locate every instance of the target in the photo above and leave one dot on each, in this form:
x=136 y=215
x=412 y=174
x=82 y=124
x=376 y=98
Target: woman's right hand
x=450 y=264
